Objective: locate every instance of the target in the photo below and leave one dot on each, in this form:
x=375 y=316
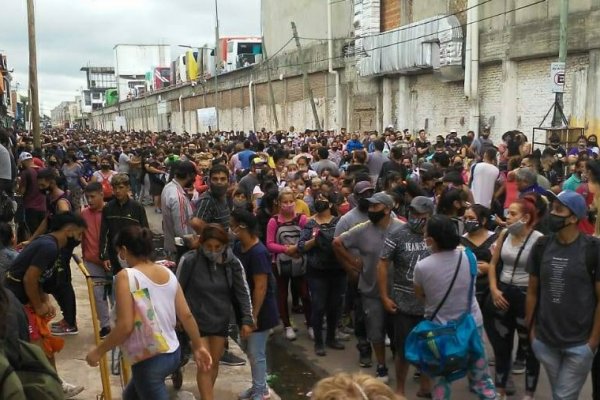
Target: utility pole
x=305 y=78
x=271 y=93
x=558 y=116
x=33 y=83
x=217 y=62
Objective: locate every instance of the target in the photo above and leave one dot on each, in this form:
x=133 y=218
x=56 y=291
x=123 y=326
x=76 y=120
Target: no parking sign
x=557 y=76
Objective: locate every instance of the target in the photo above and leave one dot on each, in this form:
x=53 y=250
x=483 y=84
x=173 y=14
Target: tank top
x=163 y=300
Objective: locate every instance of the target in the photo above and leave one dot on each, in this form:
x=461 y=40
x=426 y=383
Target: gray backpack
x=288 y=233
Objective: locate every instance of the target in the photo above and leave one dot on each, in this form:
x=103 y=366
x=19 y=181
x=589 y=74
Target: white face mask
x=122 y=261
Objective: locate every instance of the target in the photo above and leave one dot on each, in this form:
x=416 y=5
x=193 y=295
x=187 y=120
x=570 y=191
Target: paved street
x=347 y=361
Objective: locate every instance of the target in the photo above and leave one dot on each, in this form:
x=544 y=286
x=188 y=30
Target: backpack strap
x=473 y=272
x=591 y=256
x=432 y=317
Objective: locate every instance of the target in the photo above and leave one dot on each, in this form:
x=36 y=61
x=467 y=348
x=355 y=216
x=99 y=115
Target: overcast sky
x=73 y=33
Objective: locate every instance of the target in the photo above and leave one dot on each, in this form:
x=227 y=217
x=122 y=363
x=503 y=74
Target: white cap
x=25 y=156
x=453 y=131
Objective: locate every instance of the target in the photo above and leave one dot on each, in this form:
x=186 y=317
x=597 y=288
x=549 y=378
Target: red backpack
x=107 y=189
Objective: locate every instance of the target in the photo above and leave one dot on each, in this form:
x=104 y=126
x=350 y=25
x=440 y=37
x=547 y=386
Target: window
x=230 y=47
x=96 y=96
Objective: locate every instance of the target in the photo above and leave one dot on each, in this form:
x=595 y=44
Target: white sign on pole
x=557 y=76
x=207 y=117
x=162 y=107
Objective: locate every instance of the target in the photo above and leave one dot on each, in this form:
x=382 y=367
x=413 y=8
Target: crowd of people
x=365 y=234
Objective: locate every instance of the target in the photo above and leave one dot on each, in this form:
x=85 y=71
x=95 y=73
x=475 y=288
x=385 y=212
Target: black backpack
x=324 y=242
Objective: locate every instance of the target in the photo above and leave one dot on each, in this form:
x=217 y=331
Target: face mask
x=288 y=210
x=516 y=227
x=301 y=188
x=556 y=223
x=291 y=175
x=258 y=171
x=122 y=261
x=321 y=205
x=218 y=190
x=472 y=226
x=239 y=203
x=45 y=191
x=363 y=205
x=417 y=224
x=212 y=256
x=53 y=163
x=105 y=166
x=72 y=242
x=376 y=216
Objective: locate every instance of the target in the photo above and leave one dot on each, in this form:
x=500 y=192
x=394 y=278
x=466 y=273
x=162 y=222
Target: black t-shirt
x=41 y=253
x=566 y=299
x=257 y=260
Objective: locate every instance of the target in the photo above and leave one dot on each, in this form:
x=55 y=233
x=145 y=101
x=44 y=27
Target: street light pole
x=33 y=83
x=217 y=62
x=558 y=116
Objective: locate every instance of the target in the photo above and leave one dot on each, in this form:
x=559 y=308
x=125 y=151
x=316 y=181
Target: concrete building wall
x=310 y=17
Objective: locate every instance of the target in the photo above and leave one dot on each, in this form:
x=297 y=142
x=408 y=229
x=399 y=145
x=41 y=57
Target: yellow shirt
x=302 y=207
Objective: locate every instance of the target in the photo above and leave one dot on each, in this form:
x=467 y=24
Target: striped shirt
x=212 y=210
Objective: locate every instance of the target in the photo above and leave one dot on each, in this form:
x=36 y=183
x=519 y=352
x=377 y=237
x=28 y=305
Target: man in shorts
x=403 y=248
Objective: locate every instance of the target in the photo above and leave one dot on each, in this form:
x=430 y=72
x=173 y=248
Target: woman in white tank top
x=134 y=245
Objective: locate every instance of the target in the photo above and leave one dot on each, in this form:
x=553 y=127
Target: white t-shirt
x=484 y=177
x=124 y=163
x=434 y=274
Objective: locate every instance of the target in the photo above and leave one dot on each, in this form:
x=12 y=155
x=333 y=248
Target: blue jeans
x=148 y=377
x=567 y=369
x=256 y=349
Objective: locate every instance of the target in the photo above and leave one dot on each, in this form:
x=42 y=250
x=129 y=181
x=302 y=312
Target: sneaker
x=492 y=361
x=298 y=309
x=311 y=333
x=104 y=332
x=518 y=367
x=158 y=211
x=248 y=394
x=57 y=324
x=417 y=375
x=364 y=355
x=64 y=329
x=388 y=342
x=71 y=390
x=320 y=350
x=344 y=337
x=382 y=374
x=228 y=358
x=336 y=345
x=289 y=333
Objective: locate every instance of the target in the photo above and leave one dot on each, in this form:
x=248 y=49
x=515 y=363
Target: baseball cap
x=362 y=187
x=25 y=156
x=257 y=161
x=453 y=131
x=422 y=205
x=426 y=166
x=572 y=200
x=382 y=198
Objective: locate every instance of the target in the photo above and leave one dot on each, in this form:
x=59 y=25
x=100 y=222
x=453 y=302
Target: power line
x=416 y=38
x=406 y=27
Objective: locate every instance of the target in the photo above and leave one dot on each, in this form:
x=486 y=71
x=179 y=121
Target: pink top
x=90 y=241
x=272 y=245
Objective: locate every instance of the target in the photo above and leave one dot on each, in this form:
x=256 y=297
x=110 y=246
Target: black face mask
x=363 y=205
x=218 y=190
x=556 y=223
x=53 y=163
x=105 y=167
x=72 y=242
x=472 y=226
x=376 y=216
x=321 y=205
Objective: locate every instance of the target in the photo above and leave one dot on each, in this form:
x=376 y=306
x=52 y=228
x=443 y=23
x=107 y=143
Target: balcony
x=434 y=44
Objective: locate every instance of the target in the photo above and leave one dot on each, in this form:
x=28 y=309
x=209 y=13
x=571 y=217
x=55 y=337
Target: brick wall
x=390 y=14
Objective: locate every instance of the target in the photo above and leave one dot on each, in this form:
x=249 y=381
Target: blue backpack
x=447 y=349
